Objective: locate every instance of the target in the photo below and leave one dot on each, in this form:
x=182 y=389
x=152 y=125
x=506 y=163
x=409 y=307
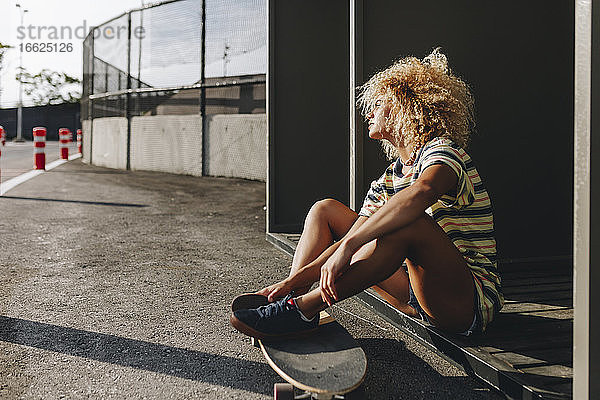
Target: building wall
x=518 y=59
x=308 y=111
x=52 y=117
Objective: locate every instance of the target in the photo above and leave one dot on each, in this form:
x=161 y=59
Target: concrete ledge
x=471 y=359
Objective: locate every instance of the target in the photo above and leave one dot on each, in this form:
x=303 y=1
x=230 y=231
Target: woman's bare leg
x=394 y=290
x=327 y=220
x=330 y=220
x=440 y=278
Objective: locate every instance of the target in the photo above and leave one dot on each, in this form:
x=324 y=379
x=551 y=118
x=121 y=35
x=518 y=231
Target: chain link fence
x=178 y=86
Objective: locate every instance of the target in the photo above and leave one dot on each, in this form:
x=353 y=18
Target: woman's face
x=377 y=120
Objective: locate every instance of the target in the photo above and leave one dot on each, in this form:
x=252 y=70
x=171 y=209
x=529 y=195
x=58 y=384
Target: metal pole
x=20 y=105
x=128 y=98
x=585 y=301
x=140 y=46
x=91 y=101
x=19 y=137
x=203 y=89
x=356 y=125
x=225 y=58
x=2 y=49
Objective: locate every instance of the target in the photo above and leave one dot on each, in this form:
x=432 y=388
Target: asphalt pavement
x=117 y=284
x=17 y=157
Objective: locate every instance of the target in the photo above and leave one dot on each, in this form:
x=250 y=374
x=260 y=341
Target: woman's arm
x=311 y=272
x=406 y=206
x=400 y=210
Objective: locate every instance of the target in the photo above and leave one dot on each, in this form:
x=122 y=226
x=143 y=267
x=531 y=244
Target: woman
x=424 y=237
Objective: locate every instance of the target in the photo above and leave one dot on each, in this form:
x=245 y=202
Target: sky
x=73 y=13
x=235 y=39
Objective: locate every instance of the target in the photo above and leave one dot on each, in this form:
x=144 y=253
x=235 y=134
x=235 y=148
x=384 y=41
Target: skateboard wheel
x=283 y=391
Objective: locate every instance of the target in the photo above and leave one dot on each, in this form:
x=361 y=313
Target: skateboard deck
x=325 y=363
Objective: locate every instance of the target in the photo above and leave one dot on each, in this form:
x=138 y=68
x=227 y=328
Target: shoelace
x=275 y=307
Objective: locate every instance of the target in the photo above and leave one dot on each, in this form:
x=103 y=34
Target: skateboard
x=325 y=364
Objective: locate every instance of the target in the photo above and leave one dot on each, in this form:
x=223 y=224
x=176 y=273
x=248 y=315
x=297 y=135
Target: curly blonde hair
x=426 y=101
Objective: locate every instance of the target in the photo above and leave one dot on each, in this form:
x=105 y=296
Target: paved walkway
x=117 y=285
x=17 y=158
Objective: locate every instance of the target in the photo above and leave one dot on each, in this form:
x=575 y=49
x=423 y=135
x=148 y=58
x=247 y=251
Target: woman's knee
x=325 y=206
x=326 y=209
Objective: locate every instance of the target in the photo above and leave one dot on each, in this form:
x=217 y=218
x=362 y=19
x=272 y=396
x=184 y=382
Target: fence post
x=203 y=89
x=91 y=102
x=128 y=97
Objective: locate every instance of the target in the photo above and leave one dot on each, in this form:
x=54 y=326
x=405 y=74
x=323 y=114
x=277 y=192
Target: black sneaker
x=281 y=318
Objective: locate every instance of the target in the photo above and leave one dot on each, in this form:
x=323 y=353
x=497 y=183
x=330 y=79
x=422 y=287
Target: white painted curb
x=17 y=180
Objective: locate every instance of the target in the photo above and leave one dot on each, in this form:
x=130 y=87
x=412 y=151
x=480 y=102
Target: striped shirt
x=465 y=214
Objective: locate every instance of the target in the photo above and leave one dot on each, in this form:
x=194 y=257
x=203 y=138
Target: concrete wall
x=109 y=142
x=237 y=146
x=86 y=130
x=167 y=143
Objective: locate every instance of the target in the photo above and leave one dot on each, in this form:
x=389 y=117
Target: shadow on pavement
x=95 y=203
x=412 y=380
x=169 y=360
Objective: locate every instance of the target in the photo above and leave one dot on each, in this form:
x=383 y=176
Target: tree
x=50 y=87
x=3 y=48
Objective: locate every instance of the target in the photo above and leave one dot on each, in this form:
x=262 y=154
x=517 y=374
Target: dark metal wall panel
x=518 y=58
x=53 y=117
x=308 y=107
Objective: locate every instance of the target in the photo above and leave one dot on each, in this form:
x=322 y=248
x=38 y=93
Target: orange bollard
x=39 y=147
x=63 y=143
x=79 y=140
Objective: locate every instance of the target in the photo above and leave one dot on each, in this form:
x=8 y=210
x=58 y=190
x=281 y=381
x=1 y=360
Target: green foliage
x=50 y=87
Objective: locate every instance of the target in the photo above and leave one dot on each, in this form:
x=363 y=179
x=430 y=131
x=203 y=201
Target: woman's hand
x=333 y=268
x=277 y=290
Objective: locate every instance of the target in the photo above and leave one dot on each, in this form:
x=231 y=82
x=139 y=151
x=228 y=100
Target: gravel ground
x=117 y=284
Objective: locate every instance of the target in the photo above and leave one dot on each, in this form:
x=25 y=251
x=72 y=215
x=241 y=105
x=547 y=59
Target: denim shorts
x=414 y=303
